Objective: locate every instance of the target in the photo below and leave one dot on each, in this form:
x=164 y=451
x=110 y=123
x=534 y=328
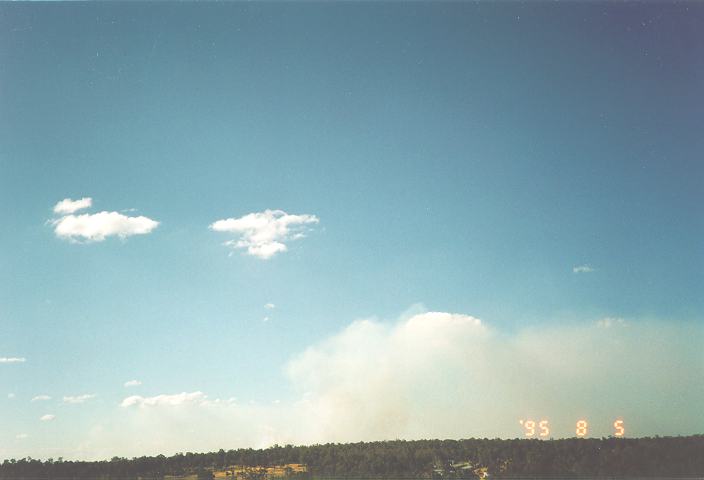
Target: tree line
x=659 y=456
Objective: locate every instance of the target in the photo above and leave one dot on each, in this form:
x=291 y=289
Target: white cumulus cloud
x=78 y=398
x=264 y=234
x=132 y=383
x=12 y=359
x=67 y=206
x=269 y=306
x=41 y=398
x=583 y=269
x=174 y=400
x=97 y=227
x=47 y=418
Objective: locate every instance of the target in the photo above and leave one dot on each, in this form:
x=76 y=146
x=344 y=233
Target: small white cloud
x=40 y=398
x=265 y=319
x=12 y=359
x=78 y=398
x=269 y=306
x=47 y=418
x=96 y=227
x=582 y=269
x=165 y=400
x=67 y=206
x=264 y=234
x=21 y=436
x=133 y=383
x=608 y=322
x=10 y=395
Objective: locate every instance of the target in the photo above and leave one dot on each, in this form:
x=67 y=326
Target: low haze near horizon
x=238 y=224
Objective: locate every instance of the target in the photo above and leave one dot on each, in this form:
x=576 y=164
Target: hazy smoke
x=442 y=375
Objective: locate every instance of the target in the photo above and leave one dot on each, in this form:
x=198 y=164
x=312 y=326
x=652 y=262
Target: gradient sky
x=535 y=166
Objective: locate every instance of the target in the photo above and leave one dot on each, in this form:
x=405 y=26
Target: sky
x=237 y=224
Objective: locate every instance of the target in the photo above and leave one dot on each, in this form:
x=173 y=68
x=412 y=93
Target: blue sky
x=451 y=157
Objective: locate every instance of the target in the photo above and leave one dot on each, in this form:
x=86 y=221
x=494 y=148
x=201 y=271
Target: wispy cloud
x=11 y=396
x=68 y=206
x=21 y=436
x=583 y=269
x=608 y=322
x=269 y=306
x=174 y=400
x=264 y=234
x=47 y=418
x=78 y=398
x=96 y=227
x=12 y=359
x=132 y=383
x=41 y=398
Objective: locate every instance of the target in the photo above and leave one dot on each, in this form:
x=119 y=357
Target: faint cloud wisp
x=175 y=400
x=12 y=359
x=76 y=399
